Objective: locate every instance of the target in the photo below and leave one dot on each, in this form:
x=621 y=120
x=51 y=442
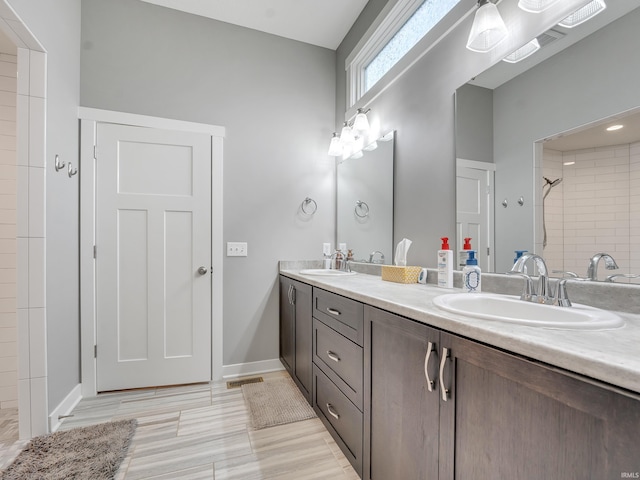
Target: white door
x=153 y=233
x=474 y=199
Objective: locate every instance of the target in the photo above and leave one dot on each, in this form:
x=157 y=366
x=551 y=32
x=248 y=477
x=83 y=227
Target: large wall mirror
x=365 y=202
x=564 y=186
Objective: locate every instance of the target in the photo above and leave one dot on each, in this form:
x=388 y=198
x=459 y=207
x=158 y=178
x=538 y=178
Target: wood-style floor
x=201 y=432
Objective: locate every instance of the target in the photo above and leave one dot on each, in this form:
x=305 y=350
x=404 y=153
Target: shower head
x=552 y=183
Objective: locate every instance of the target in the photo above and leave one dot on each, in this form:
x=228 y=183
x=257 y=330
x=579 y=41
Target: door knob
x=202 y=270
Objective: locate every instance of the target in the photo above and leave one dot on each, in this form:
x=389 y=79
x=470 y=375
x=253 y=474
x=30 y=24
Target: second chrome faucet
x=540 y=294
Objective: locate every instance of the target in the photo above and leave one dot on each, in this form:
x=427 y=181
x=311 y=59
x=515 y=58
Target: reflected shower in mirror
x=594 y=173
x=365 y=202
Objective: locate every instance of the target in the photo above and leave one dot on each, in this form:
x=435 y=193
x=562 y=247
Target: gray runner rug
x=275 y=402
x=93 y=452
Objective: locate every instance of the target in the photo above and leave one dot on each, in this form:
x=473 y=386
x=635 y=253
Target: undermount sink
x=513 y=310
x=325 y=272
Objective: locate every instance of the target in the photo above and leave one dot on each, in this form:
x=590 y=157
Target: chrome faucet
x=541 y=294
x=340 y=262
x=373 y=254
x=609 y=264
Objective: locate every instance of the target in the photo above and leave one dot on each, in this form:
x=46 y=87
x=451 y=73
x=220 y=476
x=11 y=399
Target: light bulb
x=361 y=123
x=488 y=28
x=335 y=149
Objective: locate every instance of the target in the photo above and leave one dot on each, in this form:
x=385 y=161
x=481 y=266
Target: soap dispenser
x=463 y=254
x=471 y=281
x=445 y=264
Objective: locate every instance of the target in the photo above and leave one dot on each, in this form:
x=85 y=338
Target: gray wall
x=276 y=99
x=56 y=25
x=593 y=79
x=474 y=123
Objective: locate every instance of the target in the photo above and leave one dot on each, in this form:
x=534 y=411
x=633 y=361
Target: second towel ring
x=362 y=206
x=305 y=205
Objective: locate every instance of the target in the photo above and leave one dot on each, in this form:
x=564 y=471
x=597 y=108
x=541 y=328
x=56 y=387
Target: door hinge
x=95 y=351
x=95 y=152
x=488 y=252
x=95 y=251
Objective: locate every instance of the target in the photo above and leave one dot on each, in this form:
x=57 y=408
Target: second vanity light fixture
x=489 y=29
x=352 y=135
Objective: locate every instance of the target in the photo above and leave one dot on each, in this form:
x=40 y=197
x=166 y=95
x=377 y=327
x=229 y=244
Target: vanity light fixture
x=350 y=142
x=488 y=28
x=613 y=128
x=523 y=52
x=535 y=6
x=566 y=164
x=583 y=14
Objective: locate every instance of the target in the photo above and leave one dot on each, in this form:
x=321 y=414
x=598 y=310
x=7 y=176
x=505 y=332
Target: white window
x=391 y=37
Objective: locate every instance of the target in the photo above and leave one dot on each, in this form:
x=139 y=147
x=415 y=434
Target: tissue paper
x=401 y=252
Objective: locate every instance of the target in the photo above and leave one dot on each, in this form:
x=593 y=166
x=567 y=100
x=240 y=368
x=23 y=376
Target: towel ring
x=306 y=202
x=59 y=165
x=360 y=205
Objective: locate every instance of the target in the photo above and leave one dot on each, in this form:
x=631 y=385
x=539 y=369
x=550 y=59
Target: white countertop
x=611 y=356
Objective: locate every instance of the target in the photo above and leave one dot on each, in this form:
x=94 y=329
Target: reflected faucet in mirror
x=609 y=264
x=373 y=254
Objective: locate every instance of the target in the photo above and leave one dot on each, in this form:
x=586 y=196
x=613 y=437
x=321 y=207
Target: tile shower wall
x=599 y=213
x=8 y=243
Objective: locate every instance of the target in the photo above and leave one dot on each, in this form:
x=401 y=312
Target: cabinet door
x=401 y=414
x=506 y=417
x=287 y=317
x=303 y=303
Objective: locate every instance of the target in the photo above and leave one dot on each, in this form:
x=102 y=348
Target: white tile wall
x=8 y=233
x=601 y=207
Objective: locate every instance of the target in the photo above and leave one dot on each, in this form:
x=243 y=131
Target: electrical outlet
x=326 y=249
x=236 y=249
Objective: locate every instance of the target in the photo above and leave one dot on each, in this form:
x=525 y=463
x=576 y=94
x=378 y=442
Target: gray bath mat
x=93 y=452
x=275 y=402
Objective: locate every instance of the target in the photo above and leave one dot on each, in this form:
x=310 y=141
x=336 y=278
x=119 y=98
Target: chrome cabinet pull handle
x=333 y=312
x=289 y=294
x=430 y=383
x=332 y=411
x=445 y=391
x=333 y=356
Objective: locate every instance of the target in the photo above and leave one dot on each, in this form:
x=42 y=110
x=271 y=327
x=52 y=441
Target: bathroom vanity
x=410 y=391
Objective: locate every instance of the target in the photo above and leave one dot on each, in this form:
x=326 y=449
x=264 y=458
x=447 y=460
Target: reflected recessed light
x=583 y=14
x=613 y=128
x=566 y=164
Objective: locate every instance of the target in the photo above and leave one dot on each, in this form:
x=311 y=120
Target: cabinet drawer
x=340 y=359
x=341 y=417
x=340 y=313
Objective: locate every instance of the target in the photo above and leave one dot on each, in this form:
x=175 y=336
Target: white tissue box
x=393 y=273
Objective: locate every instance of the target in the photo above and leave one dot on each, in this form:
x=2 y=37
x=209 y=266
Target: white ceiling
x=596 y=135
x=318 y=22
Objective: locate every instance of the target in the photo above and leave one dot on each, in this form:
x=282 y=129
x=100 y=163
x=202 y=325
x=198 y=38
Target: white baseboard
x=65 y=407
x=251 y=368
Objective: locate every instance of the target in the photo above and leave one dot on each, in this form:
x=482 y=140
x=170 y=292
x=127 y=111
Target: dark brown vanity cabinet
x=338 y=370
x=402 y=420
x=404 y=400
x=296 y=332
x=502 y=416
